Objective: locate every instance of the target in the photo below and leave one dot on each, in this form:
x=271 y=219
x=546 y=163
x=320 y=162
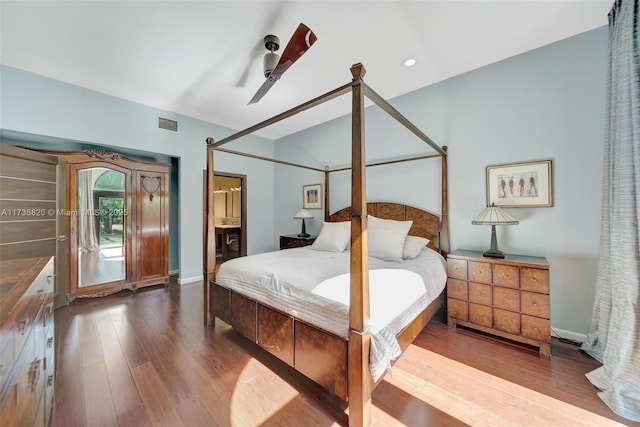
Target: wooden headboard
x=425 y=224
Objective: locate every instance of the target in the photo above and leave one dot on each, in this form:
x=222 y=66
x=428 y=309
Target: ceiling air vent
x=167 y=124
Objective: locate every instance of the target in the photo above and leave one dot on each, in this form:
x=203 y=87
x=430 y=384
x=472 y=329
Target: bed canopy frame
x=360 y=384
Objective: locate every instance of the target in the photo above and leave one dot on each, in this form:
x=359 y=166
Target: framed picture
x=312 y=196
x=520 y=185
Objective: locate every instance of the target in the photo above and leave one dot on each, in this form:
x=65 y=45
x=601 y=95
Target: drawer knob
x=22 y=326
x=34 y=374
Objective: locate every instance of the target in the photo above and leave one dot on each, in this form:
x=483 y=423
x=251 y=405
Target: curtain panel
x=614 y=335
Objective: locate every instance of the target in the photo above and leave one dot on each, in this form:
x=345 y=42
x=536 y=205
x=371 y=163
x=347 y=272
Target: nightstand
x=293 y=241
x=504 y=297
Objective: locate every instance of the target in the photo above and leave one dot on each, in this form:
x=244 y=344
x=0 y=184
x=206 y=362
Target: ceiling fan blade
x=303 y=38
x=263 y=89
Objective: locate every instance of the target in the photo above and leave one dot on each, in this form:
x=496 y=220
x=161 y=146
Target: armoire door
x=116 y=212
x=152 y=233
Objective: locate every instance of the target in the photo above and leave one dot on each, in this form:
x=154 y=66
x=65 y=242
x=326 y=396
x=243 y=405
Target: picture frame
x=312 y=196
x=520 y=185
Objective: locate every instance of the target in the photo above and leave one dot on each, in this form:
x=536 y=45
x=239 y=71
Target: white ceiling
x=204 y=59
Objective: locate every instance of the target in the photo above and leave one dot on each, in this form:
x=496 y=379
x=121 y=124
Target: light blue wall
x=33 y=104
x=544 y=104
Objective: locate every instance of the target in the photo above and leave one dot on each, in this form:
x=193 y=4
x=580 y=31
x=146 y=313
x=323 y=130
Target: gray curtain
x=614 y=336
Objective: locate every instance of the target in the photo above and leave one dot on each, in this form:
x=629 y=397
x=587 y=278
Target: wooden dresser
x=293 y=241
x=27 y=345
x=505 y=297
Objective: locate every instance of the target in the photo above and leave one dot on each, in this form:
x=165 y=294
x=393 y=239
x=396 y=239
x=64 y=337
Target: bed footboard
x=315 y=353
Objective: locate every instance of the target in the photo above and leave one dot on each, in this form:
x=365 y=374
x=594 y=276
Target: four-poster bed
x=339 y=364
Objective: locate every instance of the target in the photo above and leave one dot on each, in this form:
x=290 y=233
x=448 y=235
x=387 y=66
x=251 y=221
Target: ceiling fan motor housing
x=272 y=43
x=269 y=62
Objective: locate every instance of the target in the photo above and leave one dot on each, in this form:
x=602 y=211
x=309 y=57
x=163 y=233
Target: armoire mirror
x=101 y=232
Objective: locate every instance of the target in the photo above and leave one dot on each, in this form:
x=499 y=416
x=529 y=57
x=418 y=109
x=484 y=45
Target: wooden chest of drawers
x=27 y=344
x=505 y=297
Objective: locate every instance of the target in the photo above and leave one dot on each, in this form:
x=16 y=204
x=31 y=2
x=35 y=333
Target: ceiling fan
x=274 y=65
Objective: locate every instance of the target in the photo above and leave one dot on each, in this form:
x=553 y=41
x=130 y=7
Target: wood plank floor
x=146 y=359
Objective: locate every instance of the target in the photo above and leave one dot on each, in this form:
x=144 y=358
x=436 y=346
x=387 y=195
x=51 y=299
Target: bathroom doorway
x=230 y=215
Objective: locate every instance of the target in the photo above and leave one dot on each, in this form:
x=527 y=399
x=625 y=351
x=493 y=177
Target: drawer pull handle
x=49 y=278
x=41 y=294
x=50 y=308
x=50 y=380
x=22 y=326
x=50 y=342
x=34 y=374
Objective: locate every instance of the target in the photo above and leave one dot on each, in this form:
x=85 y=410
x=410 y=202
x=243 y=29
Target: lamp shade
x=303 y=214
x=494 y=215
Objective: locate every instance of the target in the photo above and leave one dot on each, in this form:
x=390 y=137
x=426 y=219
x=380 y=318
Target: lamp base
x=304 y=235
x=493 y=254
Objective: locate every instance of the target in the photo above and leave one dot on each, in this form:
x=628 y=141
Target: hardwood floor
x=146 y=359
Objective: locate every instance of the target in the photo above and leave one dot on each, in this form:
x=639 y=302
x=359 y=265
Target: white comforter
x=313 y=286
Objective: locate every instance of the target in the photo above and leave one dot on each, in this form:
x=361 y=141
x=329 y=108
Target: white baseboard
x=573 y=336
x=174 y=272
x=185 y=280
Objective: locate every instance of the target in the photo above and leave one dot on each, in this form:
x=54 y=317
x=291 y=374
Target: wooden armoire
x=117 y=217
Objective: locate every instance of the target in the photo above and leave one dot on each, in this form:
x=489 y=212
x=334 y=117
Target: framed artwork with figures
x=520 y=185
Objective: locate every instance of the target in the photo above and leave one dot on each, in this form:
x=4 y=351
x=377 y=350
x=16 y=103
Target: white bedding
x=313 y=286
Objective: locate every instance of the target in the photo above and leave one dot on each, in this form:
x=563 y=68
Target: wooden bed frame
x=340 y=366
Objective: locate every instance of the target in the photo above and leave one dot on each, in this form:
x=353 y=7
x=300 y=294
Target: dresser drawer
x=481 y=315
x=536 y=328
x=506 y=275
x=48 y=311
x=534 y=279
x=25 y=383
x=6 y=358
x=457 y=309
x=480 y=293
x=26 y=320
x=505 y=298
x=535 y=304
x=457 y=289
x=480 y=272
x=457 y=269
x=506 y=321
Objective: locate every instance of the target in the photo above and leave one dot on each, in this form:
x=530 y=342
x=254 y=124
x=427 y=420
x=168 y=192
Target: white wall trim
x=563 y=333
x=185 y=280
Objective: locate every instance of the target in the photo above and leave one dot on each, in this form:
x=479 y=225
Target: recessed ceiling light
x=409 y=62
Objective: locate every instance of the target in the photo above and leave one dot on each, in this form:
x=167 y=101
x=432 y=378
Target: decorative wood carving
x=151 y=184
x=103 y=154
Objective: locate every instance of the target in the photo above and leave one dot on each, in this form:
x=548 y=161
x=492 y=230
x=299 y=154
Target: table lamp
x=493 y=215
x=303 y=214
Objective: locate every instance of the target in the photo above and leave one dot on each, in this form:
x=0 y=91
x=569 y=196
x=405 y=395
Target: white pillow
x=386 y=238
x=334 y=237
x=413 y=245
